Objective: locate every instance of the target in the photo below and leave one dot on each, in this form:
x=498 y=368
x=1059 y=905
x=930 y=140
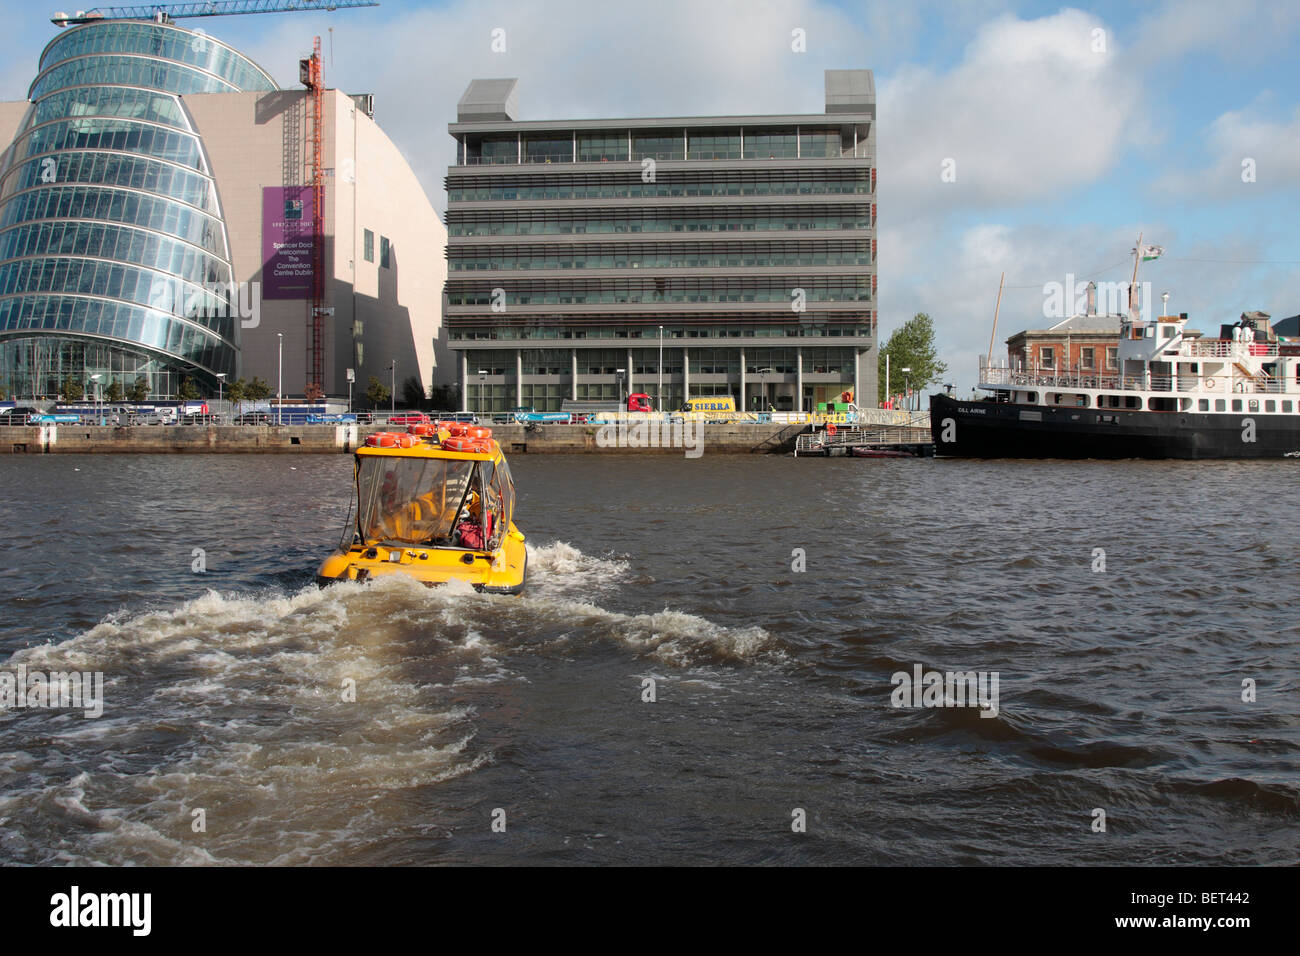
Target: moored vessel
x=1170 y=393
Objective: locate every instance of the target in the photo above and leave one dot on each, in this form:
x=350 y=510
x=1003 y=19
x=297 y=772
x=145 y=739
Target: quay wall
x=342 y=439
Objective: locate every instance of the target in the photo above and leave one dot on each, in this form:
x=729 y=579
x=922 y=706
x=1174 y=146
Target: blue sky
x=1063 y=152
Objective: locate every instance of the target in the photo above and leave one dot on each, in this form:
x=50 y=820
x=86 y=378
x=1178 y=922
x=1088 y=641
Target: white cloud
x=1032 y=110
x=1246 y=30
x=1250 y=155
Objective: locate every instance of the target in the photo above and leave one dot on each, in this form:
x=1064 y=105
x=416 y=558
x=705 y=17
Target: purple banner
x=286 y=242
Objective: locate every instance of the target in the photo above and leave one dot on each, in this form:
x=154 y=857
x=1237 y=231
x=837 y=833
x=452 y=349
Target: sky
x=1031 y=139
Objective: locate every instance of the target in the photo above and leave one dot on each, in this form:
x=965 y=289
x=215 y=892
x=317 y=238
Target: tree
x=376 y=392
x=313 y=393
x=412 y=393
x=72 y=390
x=139 y=390
x=114 y=391
x=3 y=393
x=445 y=397
x=187 y=390
x=911 y=345
x=257 y=390
x=237 y=391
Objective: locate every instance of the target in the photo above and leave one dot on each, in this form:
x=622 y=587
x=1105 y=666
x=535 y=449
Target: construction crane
x=311 y=73
x=166 y=12
x=311 y=76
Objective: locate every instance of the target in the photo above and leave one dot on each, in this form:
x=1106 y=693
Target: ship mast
x=1132 y=289
x=993 y=335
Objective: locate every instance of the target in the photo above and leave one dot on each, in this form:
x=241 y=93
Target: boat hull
x=984 y=429
x=502 y=572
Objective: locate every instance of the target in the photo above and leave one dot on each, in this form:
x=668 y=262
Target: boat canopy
x=410 y=500
x=405 y=499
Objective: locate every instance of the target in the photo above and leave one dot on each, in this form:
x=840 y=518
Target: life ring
x=392 y=440
x=831 y=429
x=479 y=432
x=462 y=443
x=457 y=429
x=1209 y=383
x=422 y=430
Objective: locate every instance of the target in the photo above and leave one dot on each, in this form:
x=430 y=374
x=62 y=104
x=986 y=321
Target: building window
x=1047 y=356
x=1112 y=359
x=1087 y=358
x=657 y=146
x=384 y=249
x=548 y=149
x=601 y=148
x=369 y=246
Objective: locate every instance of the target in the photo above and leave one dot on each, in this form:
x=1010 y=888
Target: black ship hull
x=985 y=429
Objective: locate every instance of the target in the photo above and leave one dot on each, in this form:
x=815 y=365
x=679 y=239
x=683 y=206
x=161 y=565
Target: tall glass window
x=602 y=147
x=771 y=144
x=658 y=146
x=714 y=145
x=548 y=149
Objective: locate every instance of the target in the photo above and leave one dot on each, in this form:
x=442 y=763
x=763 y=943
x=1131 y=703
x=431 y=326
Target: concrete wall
x=336 y=439
x=256 y=140
x=11 y=117
x=159 y=439
x=400 y=307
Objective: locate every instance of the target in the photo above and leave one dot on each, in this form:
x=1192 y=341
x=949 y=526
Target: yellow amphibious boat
x=436 y=503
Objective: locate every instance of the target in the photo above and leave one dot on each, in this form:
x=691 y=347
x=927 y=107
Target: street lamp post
x=392 y=387
x=99 y=412
x=907 y=388
x=618 y=377
x=279 y=381
x=659 y=396
x=763 y=401
x=482 y=384
x=221 y=380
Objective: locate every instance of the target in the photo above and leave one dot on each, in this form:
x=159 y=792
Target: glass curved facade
x=114 y=257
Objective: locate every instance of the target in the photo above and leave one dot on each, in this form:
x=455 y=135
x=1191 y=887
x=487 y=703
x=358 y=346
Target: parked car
x=409 y=418
x=161 y=416
x=17 y=415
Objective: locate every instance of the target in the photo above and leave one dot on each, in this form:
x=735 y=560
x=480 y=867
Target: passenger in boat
x=473 y=531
